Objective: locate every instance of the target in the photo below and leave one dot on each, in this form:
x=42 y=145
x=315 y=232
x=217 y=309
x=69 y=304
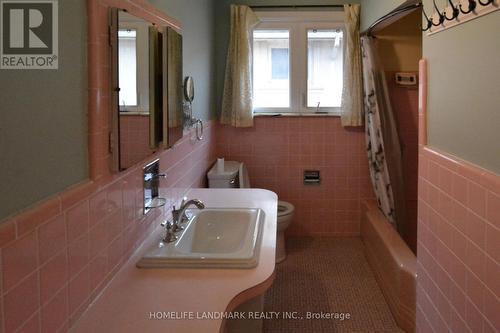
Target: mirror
x=189 y=89
x=133 y=89
x=174 y=87
x=146 y=89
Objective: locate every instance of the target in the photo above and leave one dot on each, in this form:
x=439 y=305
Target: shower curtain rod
x=390 y=15
x=295 y=6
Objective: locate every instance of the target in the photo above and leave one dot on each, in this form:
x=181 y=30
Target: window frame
x=298 y=23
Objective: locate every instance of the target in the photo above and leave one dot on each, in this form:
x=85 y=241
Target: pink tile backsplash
x=21 y=302
x=57 y=256
x=19 y=259
x=53 y=276
x=77 y=220
x=51 y=238
x=55 y=312
x=53 y=272
x=278 y=149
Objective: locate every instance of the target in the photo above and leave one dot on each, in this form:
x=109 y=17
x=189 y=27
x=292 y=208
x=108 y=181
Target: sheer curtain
x=382 y=140
x=237 y=95
x=352 y=93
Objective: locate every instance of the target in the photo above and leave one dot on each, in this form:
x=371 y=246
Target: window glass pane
x=127 y=67
x=271 y=68
x=279 y=63
x=324 y=68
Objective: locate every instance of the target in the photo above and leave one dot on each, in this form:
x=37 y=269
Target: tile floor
x=327 y=275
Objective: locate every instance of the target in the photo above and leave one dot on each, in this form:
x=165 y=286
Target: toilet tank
x=227 y=178
x=243 y=176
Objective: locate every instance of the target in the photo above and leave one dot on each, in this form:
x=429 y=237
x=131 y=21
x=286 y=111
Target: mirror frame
x=115 y=91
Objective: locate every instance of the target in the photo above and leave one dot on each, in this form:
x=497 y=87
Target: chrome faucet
x=170 y=234
x=179 y=215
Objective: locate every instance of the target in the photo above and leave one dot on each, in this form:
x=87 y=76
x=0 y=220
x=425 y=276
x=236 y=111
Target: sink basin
x=213 y=238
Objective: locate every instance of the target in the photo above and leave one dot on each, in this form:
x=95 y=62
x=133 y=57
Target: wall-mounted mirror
x=175 y=92
x=146 y=88
x=133 y=89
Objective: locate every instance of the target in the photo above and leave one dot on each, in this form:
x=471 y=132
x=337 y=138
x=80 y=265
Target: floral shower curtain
x=382 y=139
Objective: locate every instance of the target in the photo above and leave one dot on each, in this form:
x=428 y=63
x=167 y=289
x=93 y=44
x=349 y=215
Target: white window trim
x=297 y=23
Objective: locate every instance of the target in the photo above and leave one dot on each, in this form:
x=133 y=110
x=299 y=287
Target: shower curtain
x=382 y=139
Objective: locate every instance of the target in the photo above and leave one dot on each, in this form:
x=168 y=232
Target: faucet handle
x=176 y=227
x=183 y=202
x=170 y=234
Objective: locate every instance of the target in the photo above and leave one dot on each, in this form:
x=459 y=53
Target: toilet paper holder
x=312 y=177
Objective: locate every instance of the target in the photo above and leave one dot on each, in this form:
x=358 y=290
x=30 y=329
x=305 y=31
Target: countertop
x=127 y=302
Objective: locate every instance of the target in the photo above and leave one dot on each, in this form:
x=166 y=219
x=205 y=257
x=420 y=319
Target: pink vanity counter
x=131 y=300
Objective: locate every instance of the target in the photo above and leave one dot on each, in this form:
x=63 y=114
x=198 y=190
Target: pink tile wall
x=58 y=256
x=458 y=262
x=404 y=101
x=458 y=246
x=277 y=151
x=134 y=139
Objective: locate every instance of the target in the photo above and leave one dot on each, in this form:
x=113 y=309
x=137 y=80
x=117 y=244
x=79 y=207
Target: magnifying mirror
x=189 y=89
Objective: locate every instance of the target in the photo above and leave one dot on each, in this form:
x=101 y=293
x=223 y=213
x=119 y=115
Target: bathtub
x=392 y=261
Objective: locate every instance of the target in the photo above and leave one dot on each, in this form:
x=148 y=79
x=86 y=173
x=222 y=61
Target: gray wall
x=464 y=83
x=222 y=30
x=464 y=90
x=43 y=114
x=43 y=120
x=371 y=10
x=197 y=19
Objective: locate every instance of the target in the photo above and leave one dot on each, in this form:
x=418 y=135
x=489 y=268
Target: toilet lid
x=285 y=208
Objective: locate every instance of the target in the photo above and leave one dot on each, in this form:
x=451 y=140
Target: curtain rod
x=295 y=6
x=395 y=12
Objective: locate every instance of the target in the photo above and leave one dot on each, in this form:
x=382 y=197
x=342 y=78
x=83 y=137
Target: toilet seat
x=285 y=208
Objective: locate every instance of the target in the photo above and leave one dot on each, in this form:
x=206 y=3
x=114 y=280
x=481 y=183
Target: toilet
x=235 y=175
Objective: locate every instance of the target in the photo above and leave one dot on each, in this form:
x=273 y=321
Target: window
x=271 y=69
x=279 y=63
x=298 y=62
x=133 y=66
x=324 y=68
x=127 y=67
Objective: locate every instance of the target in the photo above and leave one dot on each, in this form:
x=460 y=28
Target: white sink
x=213 y=238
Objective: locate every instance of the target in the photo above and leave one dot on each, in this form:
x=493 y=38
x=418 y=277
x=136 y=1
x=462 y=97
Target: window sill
x=296 y=114
x=134 y=113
